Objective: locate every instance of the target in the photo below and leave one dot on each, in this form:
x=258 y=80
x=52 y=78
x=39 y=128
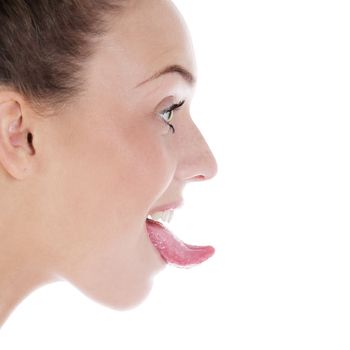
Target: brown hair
x=44 y=43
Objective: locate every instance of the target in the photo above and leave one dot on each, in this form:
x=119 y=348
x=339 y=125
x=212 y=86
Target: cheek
x=148 y=161
x=109 y=182
x=126 y=163
x=114 y=170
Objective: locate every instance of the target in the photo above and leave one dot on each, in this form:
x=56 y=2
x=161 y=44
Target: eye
x=168 y=114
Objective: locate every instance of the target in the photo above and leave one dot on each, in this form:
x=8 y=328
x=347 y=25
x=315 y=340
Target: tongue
x=173 y=250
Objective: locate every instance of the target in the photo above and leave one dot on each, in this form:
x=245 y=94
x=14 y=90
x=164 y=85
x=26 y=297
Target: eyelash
x=171 y=110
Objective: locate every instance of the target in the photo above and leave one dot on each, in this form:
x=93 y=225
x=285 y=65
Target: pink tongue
x=173 y=250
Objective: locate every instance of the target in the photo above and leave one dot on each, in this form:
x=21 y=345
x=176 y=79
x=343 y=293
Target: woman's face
x=111 y=159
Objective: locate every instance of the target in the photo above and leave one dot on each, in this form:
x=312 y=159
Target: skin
x=73 y=203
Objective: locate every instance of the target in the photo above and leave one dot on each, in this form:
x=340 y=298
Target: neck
x=24 y=261
x=20 y=274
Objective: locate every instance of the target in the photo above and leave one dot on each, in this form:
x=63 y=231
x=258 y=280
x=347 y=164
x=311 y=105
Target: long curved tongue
x=173 y=250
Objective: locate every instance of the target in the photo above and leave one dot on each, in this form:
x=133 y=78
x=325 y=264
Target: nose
x=196 y=161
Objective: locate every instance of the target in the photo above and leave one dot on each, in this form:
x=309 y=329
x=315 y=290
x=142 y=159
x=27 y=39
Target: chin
x=120 y=297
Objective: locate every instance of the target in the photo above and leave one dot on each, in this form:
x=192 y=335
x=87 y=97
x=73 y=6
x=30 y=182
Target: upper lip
x=164 y=207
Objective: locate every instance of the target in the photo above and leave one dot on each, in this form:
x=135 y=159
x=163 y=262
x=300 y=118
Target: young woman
x=96 y=146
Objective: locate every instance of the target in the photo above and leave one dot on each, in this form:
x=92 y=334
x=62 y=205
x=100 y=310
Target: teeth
x=163 y=216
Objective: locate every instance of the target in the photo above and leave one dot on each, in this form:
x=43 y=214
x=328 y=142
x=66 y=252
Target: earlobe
x=15 y=150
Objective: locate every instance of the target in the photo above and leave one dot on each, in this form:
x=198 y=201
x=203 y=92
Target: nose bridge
x=196 y=160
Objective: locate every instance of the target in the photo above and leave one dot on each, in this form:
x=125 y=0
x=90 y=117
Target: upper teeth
x=165 y=216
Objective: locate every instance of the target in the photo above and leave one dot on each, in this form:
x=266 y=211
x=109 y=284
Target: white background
x=273 y=102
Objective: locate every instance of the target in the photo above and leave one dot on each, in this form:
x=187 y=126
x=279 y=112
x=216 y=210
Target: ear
x=16 y=141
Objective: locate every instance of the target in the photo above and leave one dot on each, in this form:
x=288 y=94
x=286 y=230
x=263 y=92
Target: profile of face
x=105 y=163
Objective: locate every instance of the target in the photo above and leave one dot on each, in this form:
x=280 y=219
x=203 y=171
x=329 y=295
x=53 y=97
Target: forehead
x=147 y=36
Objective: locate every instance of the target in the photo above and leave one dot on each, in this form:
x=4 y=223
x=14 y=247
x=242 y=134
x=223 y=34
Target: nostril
x=199 y=177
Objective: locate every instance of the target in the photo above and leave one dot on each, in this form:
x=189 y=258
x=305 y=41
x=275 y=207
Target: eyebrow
x=175 y=68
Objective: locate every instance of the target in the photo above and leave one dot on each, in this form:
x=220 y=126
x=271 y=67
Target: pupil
x=170 y=113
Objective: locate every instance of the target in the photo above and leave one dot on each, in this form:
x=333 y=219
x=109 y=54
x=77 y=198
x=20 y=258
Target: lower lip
x=173 y=250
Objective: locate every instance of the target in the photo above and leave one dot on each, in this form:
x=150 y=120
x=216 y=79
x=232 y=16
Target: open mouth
x=172 y=249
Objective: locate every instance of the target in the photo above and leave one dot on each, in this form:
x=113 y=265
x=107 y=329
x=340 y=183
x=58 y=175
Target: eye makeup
x=168 y=114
